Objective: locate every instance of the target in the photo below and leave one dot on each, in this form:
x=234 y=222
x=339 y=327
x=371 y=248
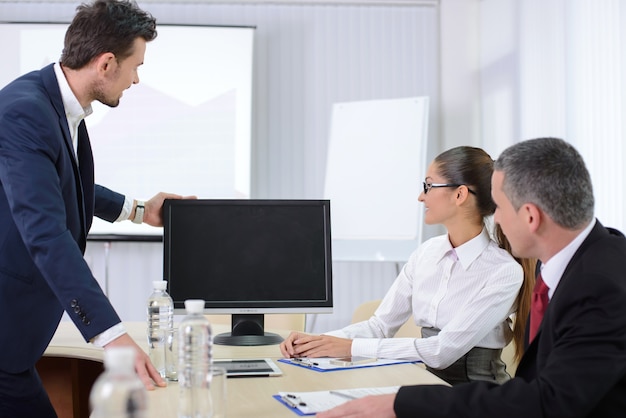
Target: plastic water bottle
x=160 y=319
x=118 y=392
x=194 y=360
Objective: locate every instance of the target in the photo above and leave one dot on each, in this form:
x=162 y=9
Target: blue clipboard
x=311 y=403
x=291 y=407
x=323 y=365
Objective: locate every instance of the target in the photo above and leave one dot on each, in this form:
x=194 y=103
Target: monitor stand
x=246 y=330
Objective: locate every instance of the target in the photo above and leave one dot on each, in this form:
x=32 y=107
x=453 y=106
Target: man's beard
x=108 y=102
x=99 y=95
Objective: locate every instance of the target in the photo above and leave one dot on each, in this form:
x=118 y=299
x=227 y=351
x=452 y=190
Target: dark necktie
x=85 y=167
x=85 y=159
x=538 y=307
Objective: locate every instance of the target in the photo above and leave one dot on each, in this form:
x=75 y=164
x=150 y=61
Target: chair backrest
x=365 y=310
x=508 y=357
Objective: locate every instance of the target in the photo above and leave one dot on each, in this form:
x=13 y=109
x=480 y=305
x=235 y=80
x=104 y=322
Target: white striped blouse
x=467 y=292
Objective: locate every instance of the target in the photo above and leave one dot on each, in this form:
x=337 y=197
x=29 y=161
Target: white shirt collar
x=74 y=112
x=553 y=269
x=469 y=251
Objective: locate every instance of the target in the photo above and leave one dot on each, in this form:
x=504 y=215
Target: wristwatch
x=139 y=210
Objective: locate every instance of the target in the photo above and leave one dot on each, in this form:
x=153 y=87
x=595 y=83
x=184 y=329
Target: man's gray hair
x=551 y=174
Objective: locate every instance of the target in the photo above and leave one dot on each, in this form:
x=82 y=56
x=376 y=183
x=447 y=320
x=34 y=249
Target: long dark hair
x=473 y=167
x=524 y=295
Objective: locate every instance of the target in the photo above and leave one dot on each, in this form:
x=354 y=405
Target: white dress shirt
x=553 y=269
x=468 y=296
x=75 y=113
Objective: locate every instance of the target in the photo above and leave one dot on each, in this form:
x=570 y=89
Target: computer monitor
x=249 y=258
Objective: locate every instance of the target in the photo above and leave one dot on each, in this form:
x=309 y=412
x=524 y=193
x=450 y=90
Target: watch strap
x=139 y=211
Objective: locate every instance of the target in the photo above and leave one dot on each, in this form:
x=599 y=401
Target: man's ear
x=532 y=215
x=105 y=62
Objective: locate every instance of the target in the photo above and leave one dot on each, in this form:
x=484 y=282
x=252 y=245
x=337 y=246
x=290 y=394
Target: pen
x=342 y=394
x=304 y=362
x=293 y=401
x=288 y=401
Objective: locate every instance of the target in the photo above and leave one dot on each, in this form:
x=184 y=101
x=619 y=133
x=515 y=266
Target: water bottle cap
x=119 y=358
x=194 y=305
x=160 y=284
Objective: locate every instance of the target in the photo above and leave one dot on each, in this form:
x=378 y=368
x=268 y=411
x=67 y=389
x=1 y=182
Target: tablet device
x=249 y=367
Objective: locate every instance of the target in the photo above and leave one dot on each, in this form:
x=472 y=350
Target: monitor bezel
x=268 y=307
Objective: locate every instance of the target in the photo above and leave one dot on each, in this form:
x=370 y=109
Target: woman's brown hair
x=524 y=295
x=473 y=167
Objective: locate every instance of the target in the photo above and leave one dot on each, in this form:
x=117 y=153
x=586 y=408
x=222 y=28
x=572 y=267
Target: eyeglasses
x=428 y=186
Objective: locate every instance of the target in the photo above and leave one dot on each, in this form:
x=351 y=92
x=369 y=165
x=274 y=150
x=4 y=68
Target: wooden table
x=70 y=366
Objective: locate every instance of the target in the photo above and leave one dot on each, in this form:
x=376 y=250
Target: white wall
x=308 y=56
x=312 y=54
x=459 y=74
x=558 y=68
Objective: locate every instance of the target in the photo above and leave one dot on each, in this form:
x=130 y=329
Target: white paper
x=314 y=402
x=324 y=363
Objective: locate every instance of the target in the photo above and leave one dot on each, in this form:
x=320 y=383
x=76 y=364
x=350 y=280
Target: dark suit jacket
x=575 y=366
x=47 y=203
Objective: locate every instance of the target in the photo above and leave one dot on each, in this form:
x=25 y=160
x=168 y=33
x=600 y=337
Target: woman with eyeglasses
x=462 y=288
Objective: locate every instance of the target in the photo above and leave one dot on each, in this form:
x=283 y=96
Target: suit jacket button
x=74 y=303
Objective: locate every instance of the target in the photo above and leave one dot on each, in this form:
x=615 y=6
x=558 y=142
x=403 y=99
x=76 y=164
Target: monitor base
x=267 y=338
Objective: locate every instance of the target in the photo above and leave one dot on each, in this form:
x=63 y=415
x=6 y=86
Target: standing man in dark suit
x=575 y=363
x=48 y=199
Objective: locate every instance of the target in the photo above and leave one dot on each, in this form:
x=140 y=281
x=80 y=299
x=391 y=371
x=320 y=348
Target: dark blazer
x=47 y=203
x=575 y=366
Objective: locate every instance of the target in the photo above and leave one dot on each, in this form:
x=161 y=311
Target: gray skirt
x=478 y=364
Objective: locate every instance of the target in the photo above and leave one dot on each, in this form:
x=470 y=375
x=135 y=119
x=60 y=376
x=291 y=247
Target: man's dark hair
x=105 y=26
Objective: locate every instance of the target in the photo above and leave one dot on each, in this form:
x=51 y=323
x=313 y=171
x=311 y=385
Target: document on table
x=310 y=403
x=323 y=364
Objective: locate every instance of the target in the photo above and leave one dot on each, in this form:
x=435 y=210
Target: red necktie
x=538 y=307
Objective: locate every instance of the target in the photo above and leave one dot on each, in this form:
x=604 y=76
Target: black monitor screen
x=249 y=256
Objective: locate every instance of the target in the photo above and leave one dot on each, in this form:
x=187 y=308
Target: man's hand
x=299 y=344
x=380 y=406
x=143 y=366
x=153 y=212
